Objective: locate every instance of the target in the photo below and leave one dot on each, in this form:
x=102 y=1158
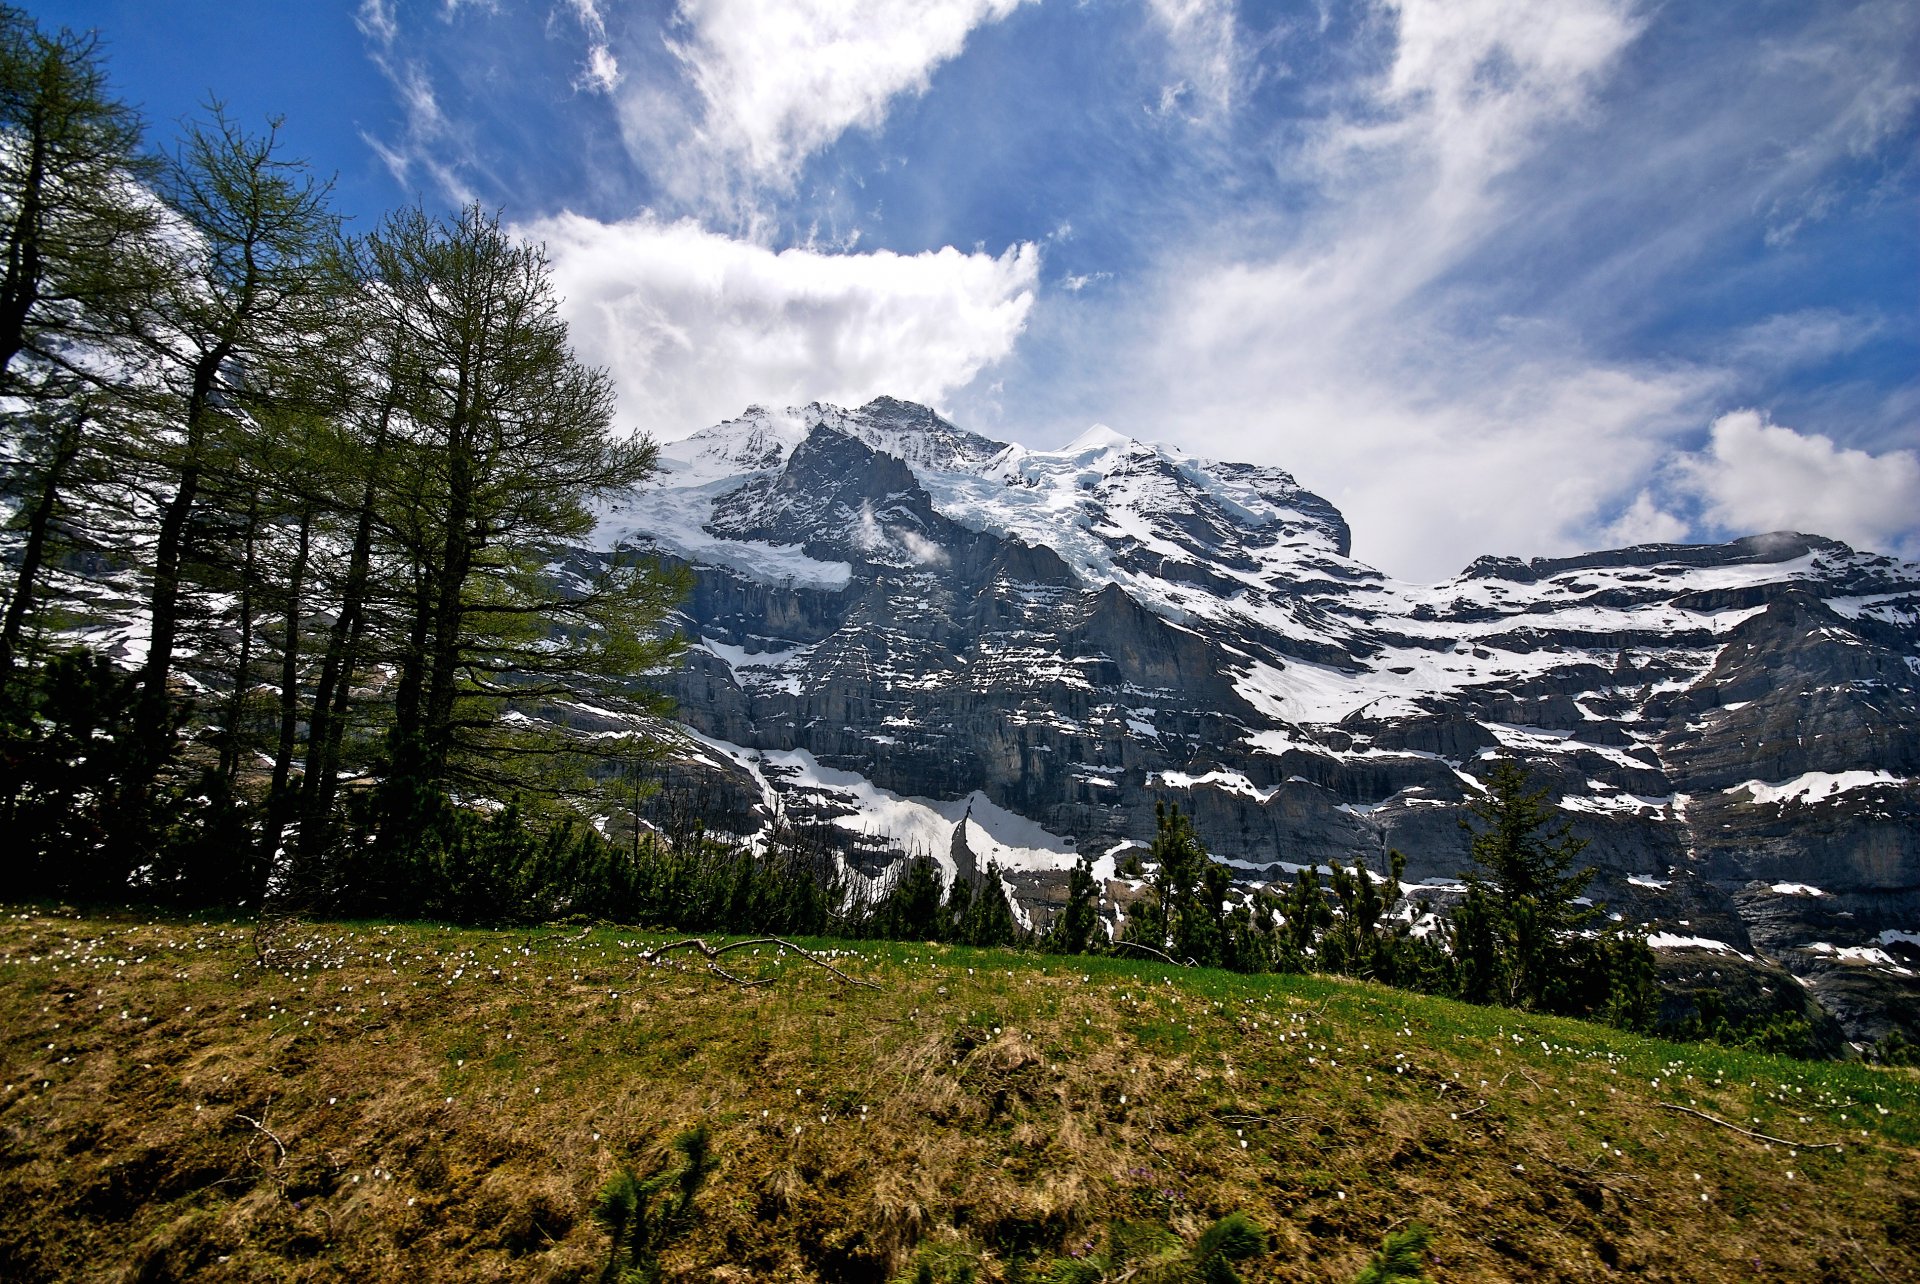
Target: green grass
x=391 y=1100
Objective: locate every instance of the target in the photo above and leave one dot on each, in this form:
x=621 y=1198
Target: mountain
x=925 y=640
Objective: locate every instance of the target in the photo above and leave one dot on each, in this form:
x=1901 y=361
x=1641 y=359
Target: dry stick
x=1863 y=1256
x=1135 y=945
x=260 y=1125
x=1476 y=1110
x=659 y=952
x=1761 y=1136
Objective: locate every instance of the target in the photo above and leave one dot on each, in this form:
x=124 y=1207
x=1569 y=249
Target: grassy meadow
x=204 y=1099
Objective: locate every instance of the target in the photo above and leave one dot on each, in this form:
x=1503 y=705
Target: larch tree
x=502 y=444
x=81 y=264
x=254 y=287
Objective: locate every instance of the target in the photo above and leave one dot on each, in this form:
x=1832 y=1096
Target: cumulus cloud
x=695 y=325
x=778 y=80
x=1755 y=476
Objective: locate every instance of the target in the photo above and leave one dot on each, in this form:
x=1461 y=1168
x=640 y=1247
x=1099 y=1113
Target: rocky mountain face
x=934 y=642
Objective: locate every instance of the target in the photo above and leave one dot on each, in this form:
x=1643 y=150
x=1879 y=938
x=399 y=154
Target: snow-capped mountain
x=978 y=650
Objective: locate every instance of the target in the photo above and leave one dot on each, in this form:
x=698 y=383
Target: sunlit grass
x=411 y=1099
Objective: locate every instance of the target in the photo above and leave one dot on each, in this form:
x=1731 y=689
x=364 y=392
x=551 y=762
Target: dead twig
x=712 y=955
x=1863 y=1256
x=1747 y=1132
x=1251 y=1120
x=1148 y=949
x=260 y=1126
x=1476 y=1110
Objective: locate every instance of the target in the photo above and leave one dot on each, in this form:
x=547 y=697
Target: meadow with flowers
x=208 y=1098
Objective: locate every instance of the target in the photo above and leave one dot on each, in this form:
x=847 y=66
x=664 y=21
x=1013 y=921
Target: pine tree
x=1174 y=918
x=1401 y=1258
x=1523 y=899
x=1072 y=929
x=988 y=919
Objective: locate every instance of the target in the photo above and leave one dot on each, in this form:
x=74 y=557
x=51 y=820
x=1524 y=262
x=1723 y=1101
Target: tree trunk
x=237 y=697
x=22 y=286
x=280 y=796
x=319 y=781
x=153 y=721
x=39 y=525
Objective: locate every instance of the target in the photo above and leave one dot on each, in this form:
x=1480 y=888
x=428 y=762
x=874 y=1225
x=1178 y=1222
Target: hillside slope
x=196 y=1100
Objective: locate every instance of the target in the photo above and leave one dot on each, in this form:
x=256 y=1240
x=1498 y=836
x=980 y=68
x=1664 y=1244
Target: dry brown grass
x=406 y=1102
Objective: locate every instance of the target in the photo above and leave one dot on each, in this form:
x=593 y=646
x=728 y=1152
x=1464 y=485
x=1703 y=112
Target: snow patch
x=1669 y=941
x=1815 y=786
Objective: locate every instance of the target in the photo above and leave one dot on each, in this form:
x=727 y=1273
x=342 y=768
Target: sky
x=1494 y=276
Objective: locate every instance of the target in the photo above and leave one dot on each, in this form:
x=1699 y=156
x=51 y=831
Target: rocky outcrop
x=1072 y=636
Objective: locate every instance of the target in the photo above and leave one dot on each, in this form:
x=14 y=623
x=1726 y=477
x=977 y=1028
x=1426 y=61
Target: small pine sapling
x=1401 y=1259
x=1234 y=1238
x=638 y=1226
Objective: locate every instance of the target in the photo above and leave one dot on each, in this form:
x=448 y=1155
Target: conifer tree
x=81 y=265
x=1072 y=929
x=1523 y=900
x=503 y=444
x=77 y=228
x=252 y=287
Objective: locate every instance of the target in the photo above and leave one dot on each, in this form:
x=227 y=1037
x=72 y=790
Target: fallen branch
x=1747 y=1132
x=659 y=952
x=271 y=1135
x=1476 y=1110
x=1863 y=1256
x=260 y=1125
x=1135 y=945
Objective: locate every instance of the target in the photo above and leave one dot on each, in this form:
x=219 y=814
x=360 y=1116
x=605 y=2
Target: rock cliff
x=923 y=637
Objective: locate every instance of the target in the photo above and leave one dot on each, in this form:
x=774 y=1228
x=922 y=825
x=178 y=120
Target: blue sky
x=1495 y=276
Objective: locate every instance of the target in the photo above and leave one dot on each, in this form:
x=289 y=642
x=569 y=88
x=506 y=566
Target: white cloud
x=1341 y=354
x=602 y=71
x=1806 y=337
x=1756 y=476
x=430 y=143
x=779 y=80
x=1205 y=52
x=1645 y=522
x=695 y=326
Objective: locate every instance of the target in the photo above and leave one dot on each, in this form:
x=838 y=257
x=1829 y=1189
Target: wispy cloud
x=1341 y=354
x=1206 y=55
x=778 y=80
x=1381 y=344
x=431 y=147
x=697 y=325
x=602 y=69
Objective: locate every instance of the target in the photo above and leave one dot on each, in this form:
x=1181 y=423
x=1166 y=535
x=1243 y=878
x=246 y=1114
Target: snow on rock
x=1669 y=941
x=1815 y=786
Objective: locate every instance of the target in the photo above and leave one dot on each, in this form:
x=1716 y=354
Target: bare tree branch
x=1760 y=1136
x=659 y=952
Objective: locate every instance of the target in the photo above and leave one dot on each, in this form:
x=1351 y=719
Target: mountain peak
x=1096 y=439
